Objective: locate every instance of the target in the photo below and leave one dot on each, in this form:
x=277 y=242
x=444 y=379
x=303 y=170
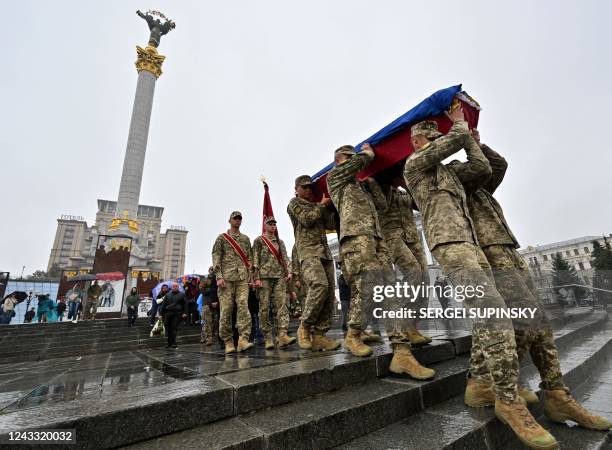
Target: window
x=576 y=252
x=581 y=266
x=586 y=250
x=545 y=257
x=567 y=252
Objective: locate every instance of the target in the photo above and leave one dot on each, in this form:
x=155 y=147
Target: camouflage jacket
x=295 y=263
x=310 y=220
x=487 y=214
x=358 y=216
x=395 y=213
x=438 y=190
x=265 y=264
x=226 y=263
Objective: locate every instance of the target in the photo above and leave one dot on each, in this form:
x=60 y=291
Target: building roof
x=569 y=242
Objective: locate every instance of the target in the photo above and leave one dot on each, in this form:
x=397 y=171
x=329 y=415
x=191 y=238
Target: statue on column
x=157 y=27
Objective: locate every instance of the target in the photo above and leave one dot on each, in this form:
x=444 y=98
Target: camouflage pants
x=492 y=338
x=273 y=291
x=237 y=291
x=532 y=336
x=409 y=258
x=210 y=316
x=318 y=275
x=90 y=308
x=366 y=265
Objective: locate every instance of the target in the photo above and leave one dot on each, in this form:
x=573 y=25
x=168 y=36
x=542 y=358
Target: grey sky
x=272 y=87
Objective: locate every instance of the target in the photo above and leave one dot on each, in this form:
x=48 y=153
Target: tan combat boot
x=229 y=346
x=559 y=406
x=404 y=362
x=284 y=339
x=304 y=339
x=369 y=336
x=519 y=419
x=320 y=342
x=269 y=343
x=479 y=394
x=353 y=342
x=243 y=344
x=416 y=338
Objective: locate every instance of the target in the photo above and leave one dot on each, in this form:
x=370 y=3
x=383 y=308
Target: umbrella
x=83 y=277
x=170 y=283
x=110 y=276
x=21 y=296
x=188 y=277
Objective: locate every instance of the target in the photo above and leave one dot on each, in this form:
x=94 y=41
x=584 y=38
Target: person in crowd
x=75 y=297
x=131 y=302
x=61 y=308
x=210 y=309
x=173 y=308
x=156 y=302
x=91 y=305
x=29 y=315
x=8 y=308
x=256 y=335
x=46 y=309
x=191 y=296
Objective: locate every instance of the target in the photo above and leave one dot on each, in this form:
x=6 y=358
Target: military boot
x=229 y=346
x=244 y=344
x=527 y=430
x=353 y=342
x=304 y=339
x=320 y=342
x=369 y=336
x=269 y=343
x=284 y=339
x=404 y=362
x=479 y=394
x=559 y=406
x=416 y=338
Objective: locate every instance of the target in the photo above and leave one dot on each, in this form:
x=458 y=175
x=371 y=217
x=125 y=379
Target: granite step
x=450 y=424
x=335 y=417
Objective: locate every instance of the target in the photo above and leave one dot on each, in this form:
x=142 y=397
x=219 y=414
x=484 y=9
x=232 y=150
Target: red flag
x=267 y=208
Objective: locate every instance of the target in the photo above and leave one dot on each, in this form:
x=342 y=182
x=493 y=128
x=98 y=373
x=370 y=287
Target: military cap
x=427 y=128
x=347 y=150
x=235 y=214
x=303 y=180
x=270 y=220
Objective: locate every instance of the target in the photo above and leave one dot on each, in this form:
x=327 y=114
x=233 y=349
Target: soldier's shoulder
x=257 y=240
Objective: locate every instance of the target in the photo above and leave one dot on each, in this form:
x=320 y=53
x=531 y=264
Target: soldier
x=365 y=260
x=439 y=195
x=398 y=226
x=516 y=287
x=271 y=273
x=231 y=257
x=297 y=289
x=310 y=220
x=91 y=306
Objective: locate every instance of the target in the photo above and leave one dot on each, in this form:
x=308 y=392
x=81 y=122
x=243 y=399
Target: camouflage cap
x=270 y=220
x=427 y=128
x=235 y=214
x=303 y=180
x=347 y=150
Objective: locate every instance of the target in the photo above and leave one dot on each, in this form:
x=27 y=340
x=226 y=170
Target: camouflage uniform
x=274 y=289
x=310 y=220
x=511 y=275
x=402 y=238
x=228 y=266
x=301 y=293
x=451 y=236
x=365 y=258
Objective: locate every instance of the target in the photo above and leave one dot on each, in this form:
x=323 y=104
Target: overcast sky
x=272 y=87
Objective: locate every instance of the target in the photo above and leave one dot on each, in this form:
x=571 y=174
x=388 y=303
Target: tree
x=565 y=277
x=601 y=261
x=55 y=271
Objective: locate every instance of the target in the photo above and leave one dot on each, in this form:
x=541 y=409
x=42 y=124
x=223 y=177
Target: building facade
x=75 y=242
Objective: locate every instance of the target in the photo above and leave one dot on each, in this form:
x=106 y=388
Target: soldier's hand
x=476 y=135
x=456 y=115
x=258 y=284
x=297 y=284
x=184 y=316
x=325 y=200
x=214 y=304
x=288 y=277
x=293 y=296
x=220 y=283
x=366 y=147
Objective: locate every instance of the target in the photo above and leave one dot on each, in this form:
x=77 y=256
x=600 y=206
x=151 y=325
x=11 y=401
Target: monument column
x=149 y=63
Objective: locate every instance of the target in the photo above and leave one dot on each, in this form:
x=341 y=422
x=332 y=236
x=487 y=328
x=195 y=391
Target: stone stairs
x=320 y=401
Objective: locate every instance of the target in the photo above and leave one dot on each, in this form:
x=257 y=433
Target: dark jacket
x=132 y=300
x=174 y=304
x=210 y=293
